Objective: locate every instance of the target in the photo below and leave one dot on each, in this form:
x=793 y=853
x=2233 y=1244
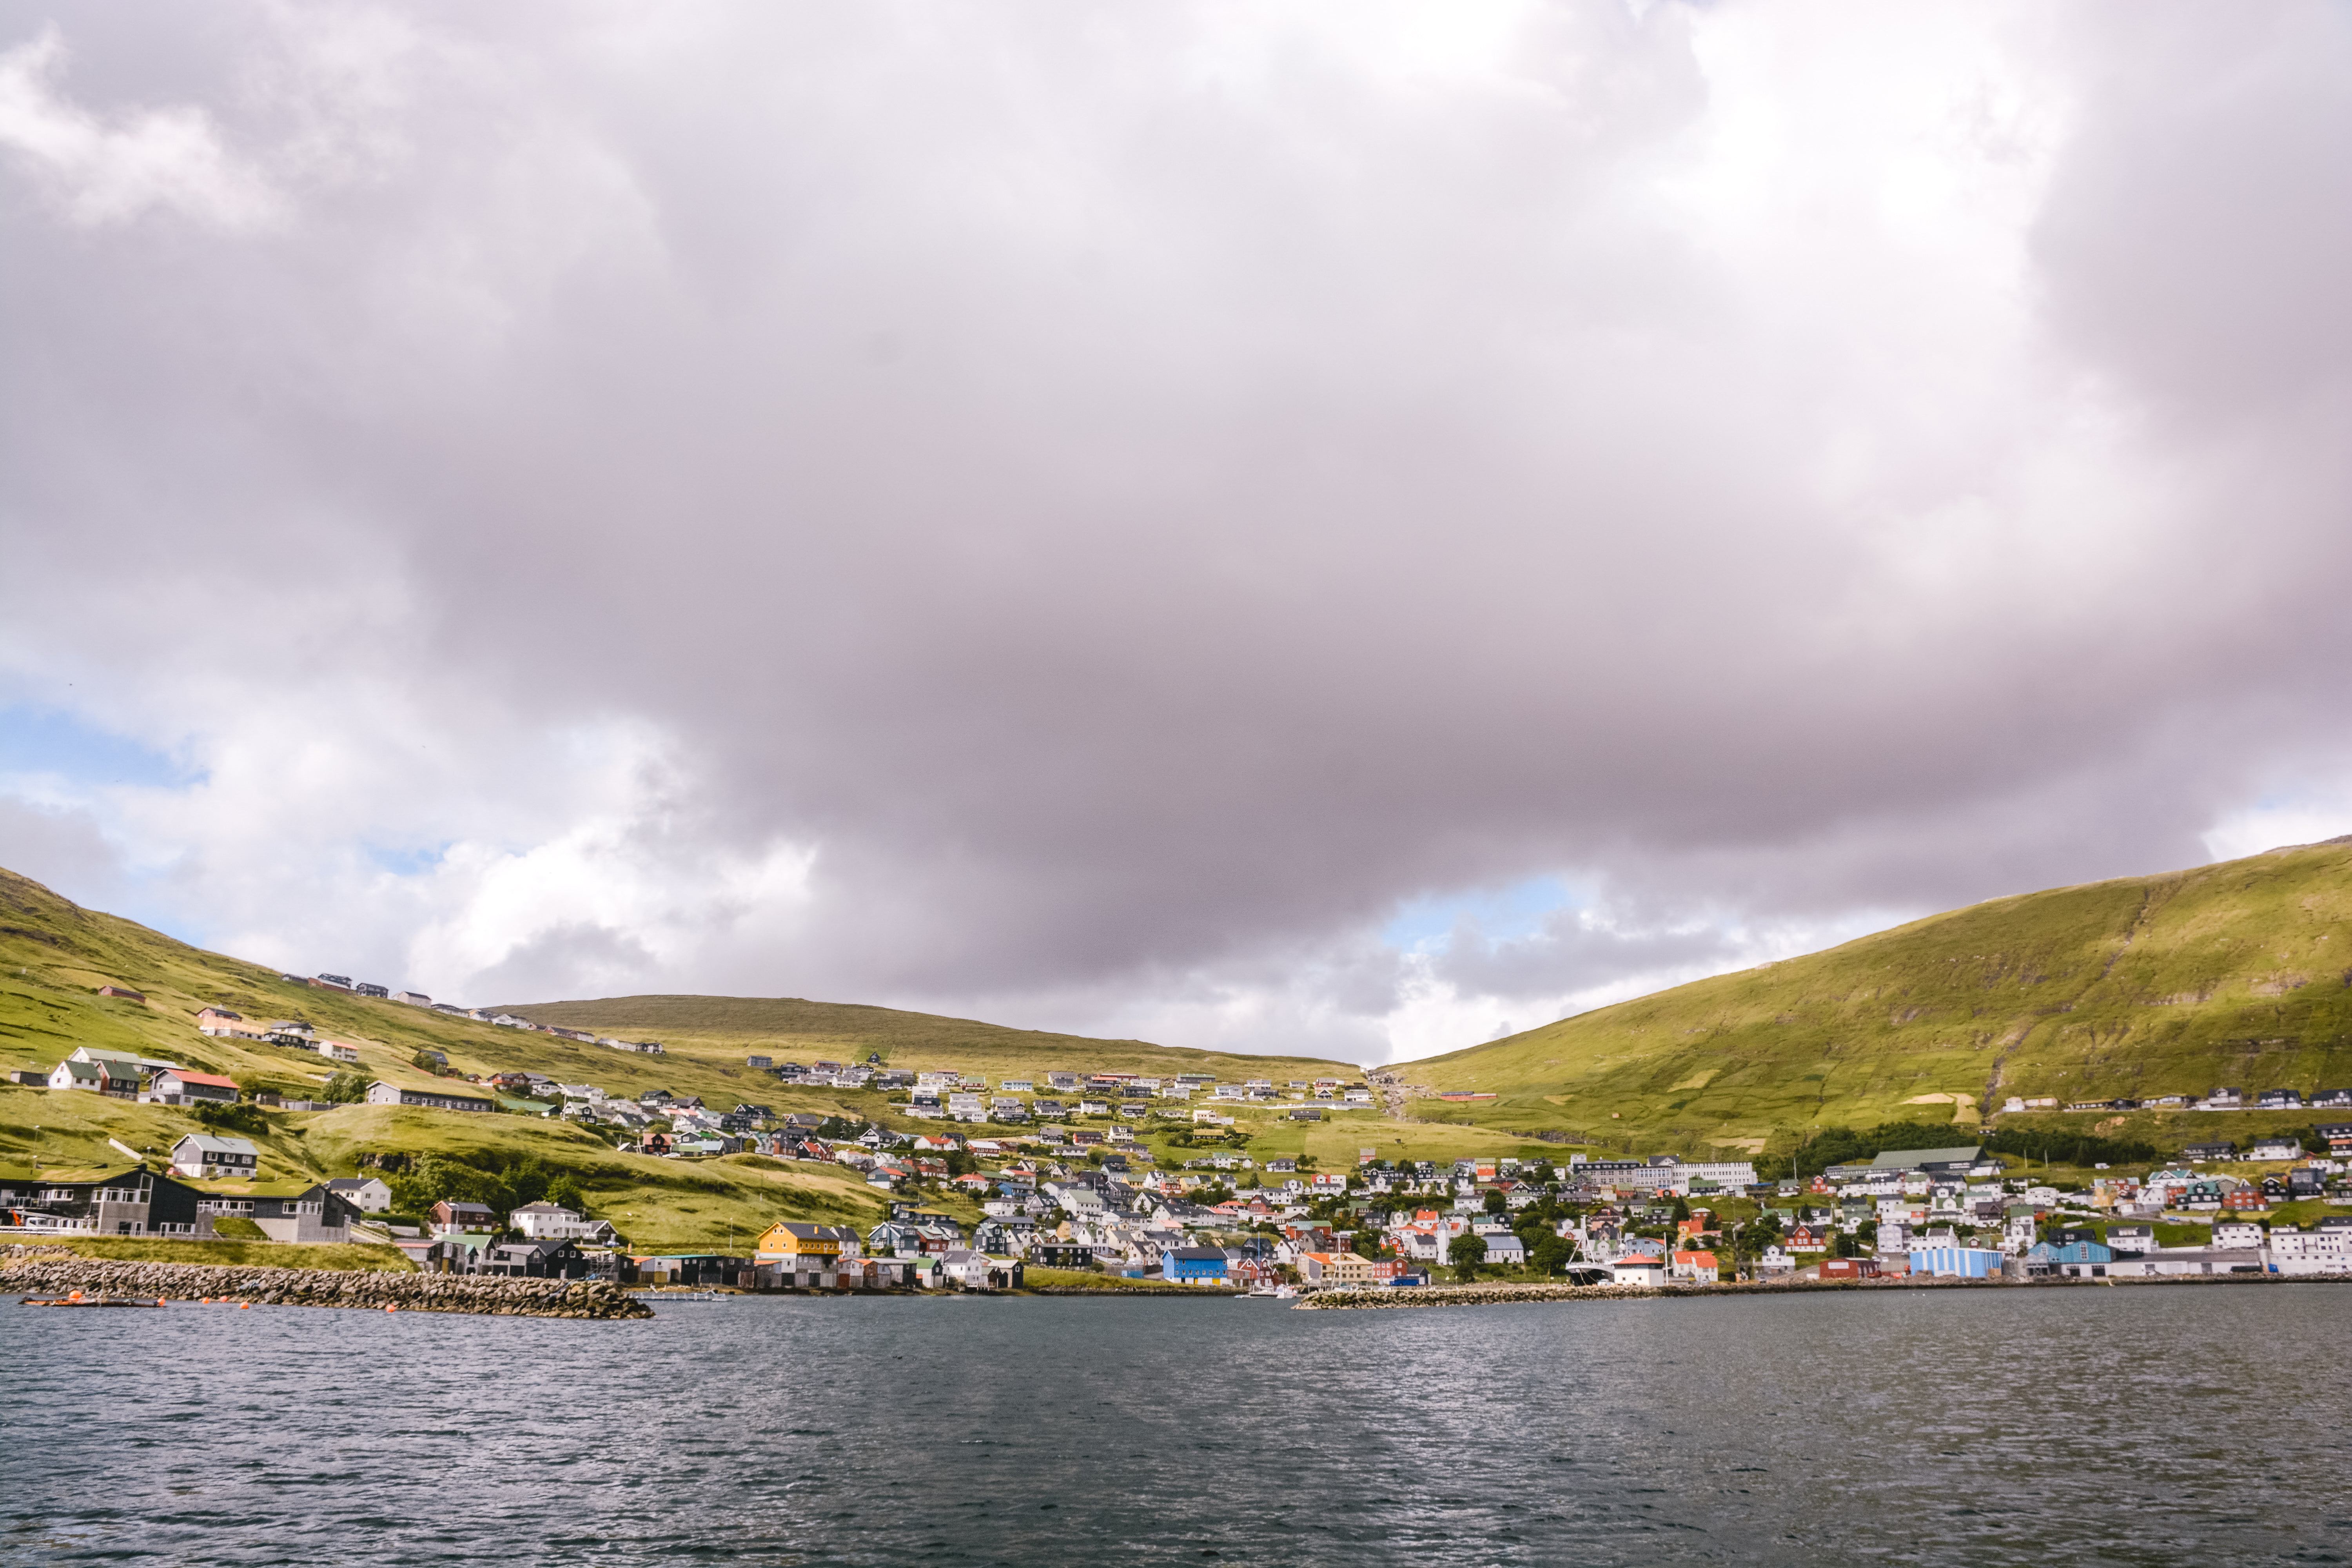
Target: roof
x=208 y=1145
x=184 y=1076
x=350 y=1183
x=1911 y=1159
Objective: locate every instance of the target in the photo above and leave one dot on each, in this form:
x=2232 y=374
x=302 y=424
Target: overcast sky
x=1340 y=527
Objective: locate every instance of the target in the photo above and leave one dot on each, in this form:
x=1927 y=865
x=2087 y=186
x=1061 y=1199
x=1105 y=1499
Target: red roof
x=212 y=1079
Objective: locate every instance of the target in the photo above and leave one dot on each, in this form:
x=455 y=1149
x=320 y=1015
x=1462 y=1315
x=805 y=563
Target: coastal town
x=1110 y=1179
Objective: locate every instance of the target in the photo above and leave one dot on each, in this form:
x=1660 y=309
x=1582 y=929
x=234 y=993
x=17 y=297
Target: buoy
x=391 y=1309
x=245 y=1306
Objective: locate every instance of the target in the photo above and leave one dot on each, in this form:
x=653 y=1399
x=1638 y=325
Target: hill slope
x=2237 y=974
x=54 y=955
x=787 y=1027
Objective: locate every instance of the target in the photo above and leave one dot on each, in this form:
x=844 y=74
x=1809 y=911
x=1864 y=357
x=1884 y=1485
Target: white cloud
x=110 y=170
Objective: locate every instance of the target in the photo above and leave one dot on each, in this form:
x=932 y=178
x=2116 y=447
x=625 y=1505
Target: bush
x=244 y=1121
x=346 y=1089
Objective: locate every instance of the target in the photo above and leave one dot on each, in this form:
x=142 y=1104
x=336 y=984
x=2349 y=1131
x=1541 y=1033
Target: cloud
x=101 y=172
x=1081 y=524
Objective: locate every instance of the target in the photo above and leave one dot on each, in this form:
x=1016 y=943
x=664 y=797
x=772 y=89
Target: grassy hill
x=726 y=1029
x=54 y=955
x=2237 y=974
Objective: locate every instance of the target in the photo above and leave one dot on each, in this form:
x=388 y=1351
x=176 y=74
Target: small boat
x=101 y=1300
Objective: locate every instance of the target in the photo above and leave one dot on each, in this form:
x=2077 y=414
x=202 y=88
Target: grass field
x=2237 y=974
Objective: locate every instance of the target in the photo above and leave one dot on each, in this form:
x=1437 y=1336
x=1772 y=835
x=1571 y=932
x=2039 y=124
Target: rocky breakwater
x=46 y=1273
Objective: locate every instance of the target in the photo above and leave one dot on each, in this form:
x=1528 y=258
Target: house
x=2282 y=1146
x=451 y=1215
x=1696 y=1267
x=366 y=1194
x=118 y=1076
x=1506 y=1250
x=178 y=1086
x=1775 y=1264
x=979 y=1271
x=124 y=992
x=806 y=1253
x=222 y=1024
x=1341 y=1268
x=383 y=1094
x=1646 y=1272
x=1849 y=1268
x=1946 y=1260
x=201 y=1158
x=543 y=1258
x=543 y=1221
x=129 y=1202
x=2075 y=1260
x=306 y=1215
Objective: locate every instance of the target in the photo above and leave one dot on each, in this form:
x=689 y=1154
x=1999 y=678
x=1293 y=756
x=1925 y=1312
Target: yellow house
x=808 y=1246
x=1335 y=1269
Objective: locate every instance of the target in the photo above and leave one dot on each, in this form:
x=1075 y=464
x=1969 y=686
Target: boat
x=101 y=1300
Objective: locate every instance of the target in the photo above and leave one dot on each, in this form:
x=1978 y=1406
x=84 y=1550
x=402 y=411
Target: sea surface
x=2075 y=1426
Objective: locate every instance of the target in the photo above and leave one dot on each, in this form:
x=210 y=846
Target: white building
x=2310 y=1251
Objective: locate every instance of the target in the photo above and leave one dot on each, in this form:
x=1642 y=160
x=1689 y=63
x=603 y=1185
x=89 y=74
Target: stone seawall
x=1512 y=1295
x=58 y=1273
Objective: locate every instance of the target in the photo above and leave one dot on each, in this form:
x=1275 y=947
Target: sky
x=1350 y=529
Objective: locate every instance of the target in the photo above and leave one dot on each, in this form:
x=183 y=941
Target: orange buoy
x=245 y=1306
x=391 y=1309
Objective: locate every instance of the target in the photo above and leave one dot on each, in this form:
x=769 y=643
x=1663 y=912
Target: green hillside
x=54 y=955
x=726 y=1029
x=2239 y=973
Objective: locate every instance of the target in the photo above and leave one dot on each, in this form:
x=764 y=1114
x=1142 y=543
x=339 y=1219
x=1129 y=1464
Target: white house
x=1650 y=1273
x=553 y=1220
x=366 y=1194
x=200 y=1157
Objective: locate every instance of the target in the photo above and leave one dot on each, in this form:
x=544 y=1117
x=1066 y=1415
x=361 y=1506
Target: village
x=1053 y=1181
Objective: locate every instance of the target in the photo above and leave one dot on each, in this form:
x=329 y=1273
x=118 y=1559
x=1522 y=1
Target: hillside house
x=383 y=1093
x=451 y=1215
x=366 y=1194
x=1643 y=1270
x=200 y=1157
x=178 y=1086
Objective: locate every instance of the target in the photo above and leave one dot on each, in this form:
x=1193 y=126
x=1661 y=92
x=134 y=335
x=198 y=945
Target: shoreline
x=266 y=1285
x=1517 y=1294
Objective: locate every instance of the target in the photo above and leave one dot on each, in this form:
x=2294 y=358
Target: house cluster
x=2213 y=1100
x=94 y=1069
x=345 y=984
x=206 y=1179
x=537 y=1240
x=946 y=1094
x=1951 y=1212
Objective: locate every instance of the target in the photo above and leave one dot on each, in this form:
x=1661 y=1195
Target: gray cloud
x=1136 y=501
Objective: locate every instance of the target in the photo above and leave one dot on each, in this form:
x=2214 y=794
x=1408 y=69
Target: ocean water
x=2122 y=1426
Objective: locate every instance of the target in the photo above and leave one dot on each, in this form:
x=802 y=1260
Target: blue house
x=1194 y=1265
x=2076 y=1259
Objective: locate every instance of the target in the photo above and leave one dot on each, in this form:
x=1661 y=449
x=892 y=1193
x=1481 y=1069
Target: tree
x=1467 y=1253
x=1682 y=1209
x=346 y=1089
x=1496 y=1201
x=1550 y=1255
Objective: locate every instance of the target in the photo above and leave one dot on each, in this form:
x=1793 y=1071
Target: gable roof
x=207 y=1144
x=1912 y=1159
x=214 y=1079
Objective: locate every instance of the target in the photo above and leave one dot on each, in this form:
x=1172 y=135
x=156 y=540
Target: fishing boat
x=104 y=1299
